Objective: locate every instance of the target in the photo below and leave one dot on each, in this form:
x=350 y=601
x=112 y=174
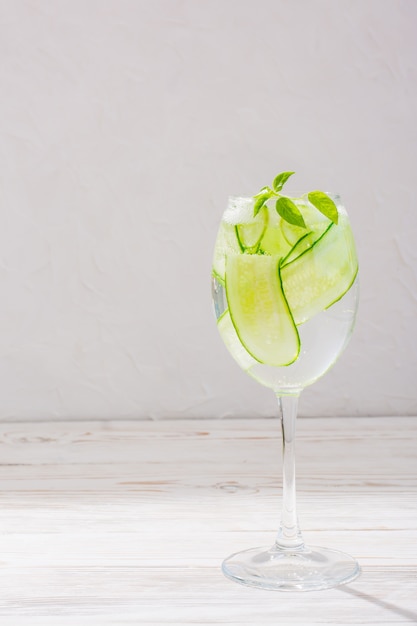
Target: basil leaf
x=324 y=204
x=263 y=190
x=260 y=201
x=280 y=180
x=289 y=211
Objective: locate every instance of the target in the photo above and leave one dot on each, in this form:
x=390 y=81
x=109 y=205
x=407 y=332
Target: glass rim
x=296 y=194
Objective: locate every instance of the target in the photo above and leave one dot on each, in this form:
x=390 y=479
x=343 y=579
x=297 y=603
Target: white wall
x=124 y=126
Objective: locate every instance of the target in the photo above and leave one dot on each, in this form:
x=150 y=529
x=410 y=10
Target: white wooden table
x=127 y=522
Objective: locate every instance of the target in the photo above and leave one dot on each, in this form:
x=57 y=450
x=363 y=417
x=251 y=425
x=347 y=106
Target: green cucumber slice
x=322 y=274
x=273 y=242
x=232 y=342
x=249 y=235
x=315 y=221
x=259 y=310
x=226 y=243
x=303 y=244
x=292 y=233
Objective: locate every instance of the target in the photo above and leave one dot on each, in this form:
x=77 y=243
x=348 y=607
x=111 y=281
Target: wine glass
x=285 y=293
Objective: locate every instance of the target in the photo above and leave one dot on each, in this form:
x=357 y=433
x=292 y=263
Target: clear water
x=323 y=338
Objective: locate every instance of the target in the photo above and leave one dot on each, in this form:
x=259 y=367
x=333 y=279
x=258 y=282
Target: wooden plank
x=128 y=522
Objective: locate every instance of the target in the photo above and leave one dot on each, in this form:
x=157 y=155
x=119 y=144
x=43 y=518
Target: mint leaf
x=260 y=201
x=280 y=180
x=324 y=204
x=289 y=211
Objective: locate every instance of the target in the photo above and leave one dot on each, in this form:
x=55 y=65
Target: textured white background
x=124 y=126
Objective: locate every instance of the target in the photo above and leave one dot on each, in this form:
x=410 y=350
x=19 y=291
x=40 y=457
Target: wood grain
x=128 y=522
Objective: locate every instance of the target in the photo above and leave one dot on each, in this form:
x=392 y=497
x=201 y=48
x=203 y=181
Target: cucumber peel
x=232 y=342
x=226 y=243
x=321 y=274
x=258 y=309
x=250 y=235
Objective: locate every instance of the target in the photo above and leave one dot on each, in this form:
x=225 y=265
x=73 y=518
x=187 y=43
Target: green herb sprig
x=285 y=206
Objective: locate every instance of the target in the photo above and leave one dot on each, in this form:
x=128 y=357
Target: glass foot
x=284 y=569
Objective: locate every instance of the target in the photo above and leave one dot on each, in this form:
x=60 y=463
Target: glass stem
x=289 y=534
